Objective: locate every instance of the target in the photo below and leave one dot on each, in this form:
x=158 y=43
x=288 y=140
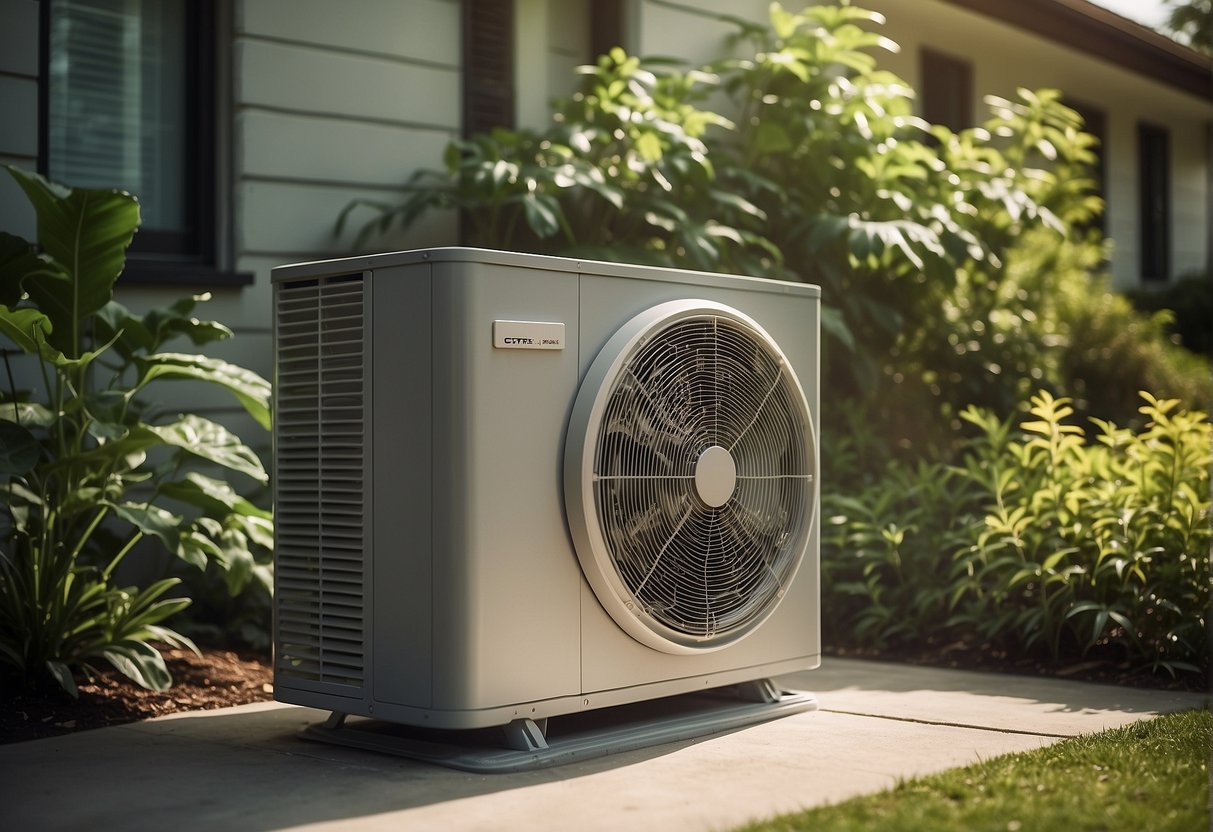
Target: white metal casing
x=470 y=608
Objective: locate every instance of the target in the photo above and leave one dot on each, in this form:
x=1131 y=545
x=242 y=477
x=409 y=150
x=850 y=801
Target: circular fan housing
x=689 y=476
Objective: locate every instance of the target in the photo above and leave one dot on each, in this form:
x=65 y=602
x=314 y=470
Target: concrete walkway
x=244 y=769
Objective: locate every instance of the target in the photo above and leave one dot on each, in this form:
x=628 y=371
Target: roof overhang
x=1106 y=35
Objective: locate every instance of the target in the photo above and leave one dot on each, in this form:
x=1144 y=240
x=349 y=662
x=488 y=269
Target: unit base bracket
x=530 y=744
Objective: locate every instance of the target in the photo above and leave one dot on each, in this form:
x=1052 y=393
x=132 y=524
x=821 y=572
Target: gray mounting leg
x=526 y=735
x=336 y=720
x=760 y=690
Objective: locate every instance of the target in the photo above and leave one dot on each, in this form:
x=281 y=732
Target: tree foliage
x=943 y=256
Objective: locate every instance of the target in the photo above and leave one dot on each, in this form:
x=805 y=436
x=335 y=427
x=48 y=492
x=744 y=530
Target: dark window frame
x=1154 y=202
x=939 y=106
x=194 y=256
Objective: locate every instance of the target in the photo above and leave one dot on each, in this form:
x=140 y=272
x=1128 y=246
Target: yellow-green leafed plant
x=89 y=464
x=1093 y=540
x=1050 y=541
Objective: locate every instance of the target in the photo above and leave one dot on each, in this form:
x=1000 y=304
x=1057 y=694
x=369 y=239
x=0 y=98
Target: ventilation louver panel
x=319 y=487
x=702 y=480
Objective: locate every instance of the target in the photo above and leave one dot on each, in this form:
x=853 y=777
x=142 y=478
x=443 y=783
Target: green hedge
x=1048 y=540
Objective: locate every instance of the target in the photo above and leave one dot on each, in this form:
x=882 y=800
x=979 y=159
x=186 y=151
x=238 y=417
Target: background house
x=246 y=125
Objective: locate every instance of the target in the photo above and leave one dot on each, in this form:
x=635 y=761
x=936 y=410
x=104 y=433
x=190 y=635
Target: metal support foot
x=760 y=690
x=525 y=735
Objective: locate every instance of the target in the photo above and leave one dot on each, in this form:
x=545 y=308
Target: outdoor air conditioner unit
x=511 y=487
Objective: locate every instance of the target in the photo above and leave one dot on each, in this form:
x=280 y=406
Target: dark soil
x=216 y=680
x=222 y=677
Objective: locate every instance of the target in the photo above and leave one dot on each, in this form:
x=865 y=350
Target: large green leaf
x=210 y=441
x=251 y=389
x=216 y=497
x=151 y=520
x=149 y=332
x=25 y=327
x=139 y=662
x=86 y=232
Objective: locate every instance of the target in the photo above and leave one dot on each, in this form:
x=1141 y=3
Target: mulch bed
x=217 y=679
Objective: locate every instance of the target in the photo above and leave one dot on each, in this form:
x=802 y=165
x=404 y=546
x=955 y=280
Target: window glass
x=117 y=101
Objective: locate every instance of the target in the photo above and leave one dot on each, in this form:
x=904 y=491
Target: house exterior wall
x=1003 y=59
x=18 y=107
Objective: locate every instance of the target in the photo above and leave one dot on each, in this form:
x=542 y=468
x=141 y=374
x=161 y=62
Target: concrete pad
x=244 y=768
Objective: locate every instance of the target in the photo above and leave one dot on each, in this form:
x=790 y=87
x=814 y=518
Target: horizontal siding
x=692 y=31
x=18 y=109
x=296 y=220
x=332 y=102
x=19 y=37
x=16 y=215
x=420 y=30
x=19 y=132
x=302 y=149
x=312 y=80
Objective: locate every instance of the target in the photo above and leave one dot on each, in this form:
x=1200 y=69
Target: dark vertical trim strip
x=44 y=95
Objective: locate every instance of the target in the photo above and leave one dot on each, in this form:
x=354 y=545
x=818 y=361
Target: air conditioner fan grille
x=700 y=566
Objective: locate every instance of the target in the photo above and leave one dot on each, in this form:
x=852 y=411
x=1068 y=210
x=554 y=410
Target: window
x=1154 y=197
x=947 y=90
x=129 y=103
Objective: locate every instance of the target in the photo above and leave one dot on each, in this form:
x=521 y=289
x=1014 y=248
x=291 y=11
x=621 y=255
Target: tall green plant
x=91 y=465
x=1049 y=540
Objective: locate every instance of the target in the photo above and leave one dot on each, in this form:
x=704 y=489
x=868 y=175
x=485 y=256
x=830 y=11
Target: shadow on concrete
x=244 y=768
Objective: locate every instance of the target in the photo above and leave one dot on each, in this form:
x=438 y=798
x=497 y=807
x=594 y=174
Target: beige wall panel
x=19 y=119
x=691 y=31
x=311 y=80
x=299 y=219
x=19 y=37
x=16 y=215
x=423 y=30
x=294 y=147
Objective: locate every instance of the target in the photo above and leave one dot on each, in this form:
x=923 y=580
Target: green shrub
x=1112 y=349
x=1044 y=542
x=941 y=255
x=91 y=465
x=1189 y=300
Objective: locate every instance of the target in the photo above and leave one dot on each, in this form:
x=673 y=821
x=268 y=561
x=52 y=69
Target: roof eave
x=1106 y=35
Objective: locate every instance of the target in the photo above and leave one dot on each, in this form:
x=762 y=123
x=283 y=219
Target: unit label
x=528 y=335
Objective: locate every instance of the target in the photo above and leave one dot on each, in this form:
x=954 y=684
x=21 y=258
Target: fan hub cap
x=715 y=476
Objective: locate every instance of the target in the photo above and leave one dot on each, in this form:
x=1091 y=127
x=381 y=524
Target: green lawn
x=1152 y=775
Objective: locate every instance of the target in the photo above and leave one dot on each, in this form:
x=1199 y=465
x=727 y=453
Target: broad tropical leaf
x=251 y=389
x=86 y=232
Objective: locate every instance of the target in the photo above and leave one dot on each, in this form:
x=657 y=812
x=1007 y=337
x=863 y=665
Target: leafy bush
x=1113 y=349
x=942 y=256
x=621 y=173
x=92 y=466
x=1189 y=301
x=1042 y=542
